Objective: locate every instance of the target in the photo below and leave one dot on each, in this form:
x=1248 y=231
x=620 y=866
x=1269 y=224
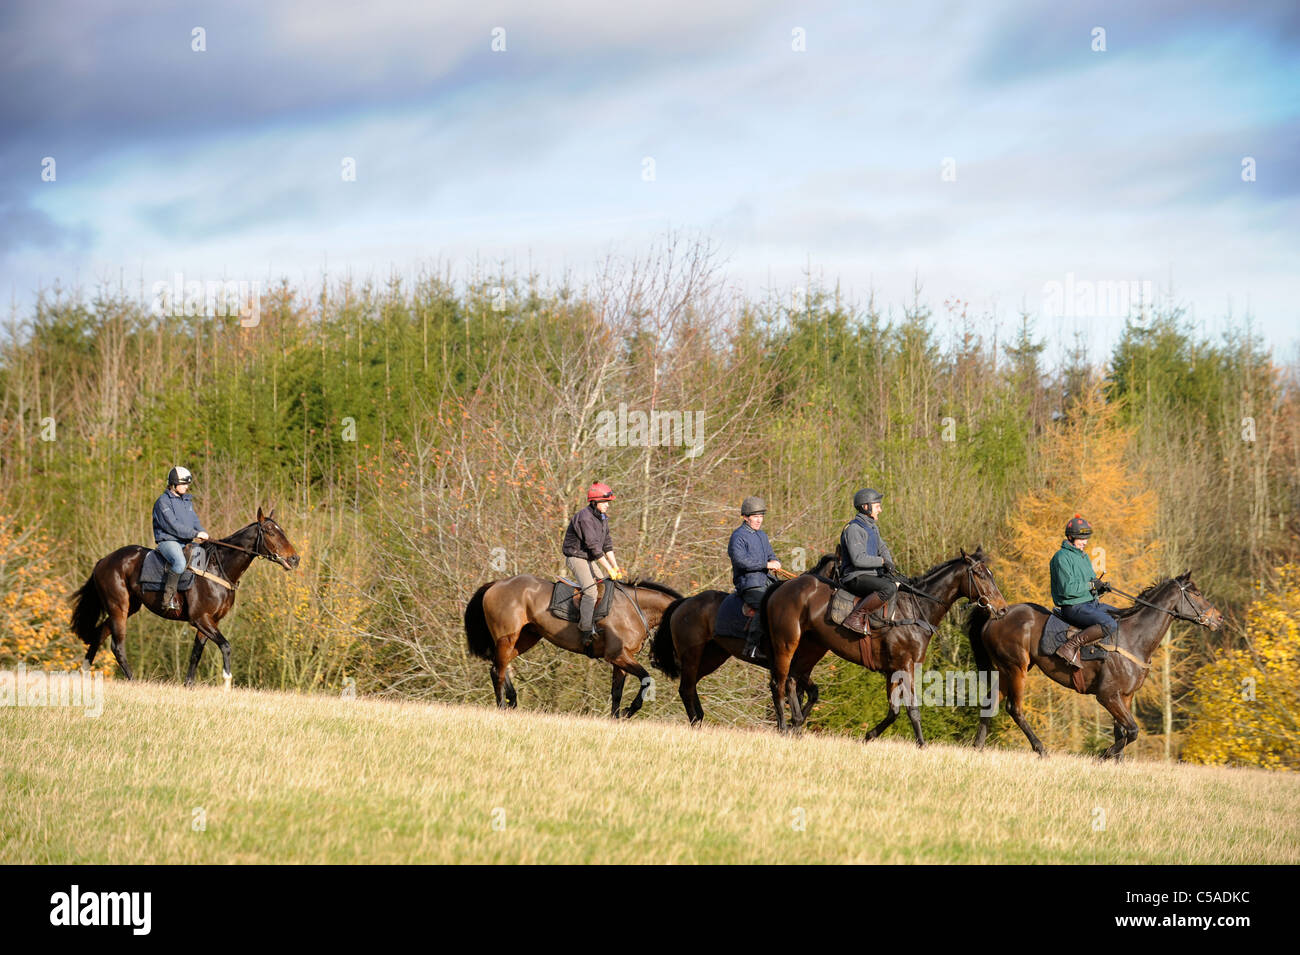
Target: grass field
x=167 y=775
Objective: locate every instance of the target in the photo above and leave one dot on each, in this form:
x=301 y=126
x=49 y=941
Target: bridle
x=1201 y=619
x=981 y=600
x=259 y=548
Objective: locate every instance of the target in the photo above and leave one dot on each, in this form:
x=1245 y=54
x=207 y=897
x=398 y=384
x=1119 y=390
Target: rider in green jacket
x=1075 y=589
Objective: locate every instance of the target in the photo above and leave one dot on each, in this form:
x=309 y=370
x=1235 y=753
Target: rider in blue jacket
x=752 y=558
x=175 y=524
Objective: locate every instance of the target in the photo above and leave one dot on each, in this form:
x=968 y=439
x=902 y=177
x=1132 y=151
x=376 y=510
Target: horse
x=800 y=607
x=113 y=590
x=505 y=618
x=685 y=647
x=1010 y=644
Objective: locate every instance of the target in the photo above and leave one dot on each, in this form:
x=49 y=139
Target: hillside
x=274 y=777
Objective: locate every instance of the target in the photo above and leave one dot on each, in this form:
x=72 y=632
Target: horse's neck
x=653 y=603
x=235 y=562
x=942 y=584
x=1146 y=628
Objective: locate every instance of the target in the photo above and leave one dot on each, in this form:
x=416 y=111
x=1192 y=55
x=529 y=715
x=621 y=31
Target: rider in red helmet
x=589 y=551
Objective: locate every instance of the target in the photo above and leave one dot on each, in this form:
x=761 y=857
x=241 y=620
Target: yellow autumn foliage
x=1247 y=703
x=33 y=609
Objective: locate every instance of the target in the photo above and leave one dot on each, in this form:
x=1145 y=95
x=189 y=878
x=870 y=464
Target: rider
x=865 y=561
x=1075 y=589
x=752 y=558
x=175 y=524
x=589 y=552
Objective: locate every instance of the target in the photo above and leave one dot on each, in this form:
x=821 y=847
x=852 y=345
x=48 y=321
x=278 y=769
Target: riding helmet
x=179 y=475
x=599 y=492
x=1077 y=527
x=868 y=495
x=753 y=505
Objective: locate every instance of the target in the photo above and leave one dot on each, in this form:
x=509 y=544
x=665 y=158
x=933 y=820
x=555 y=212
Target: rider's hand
x=203 y=535
x=773 y=565
x=890 y=567
x=1102 y=587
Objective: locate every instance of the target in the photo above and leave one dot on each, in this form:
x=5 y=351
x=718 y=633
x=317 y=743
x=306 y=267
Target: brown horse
x=798 y=610
x=1010 y=644
x=505 y=618
x=686 y=648
x=113 y=589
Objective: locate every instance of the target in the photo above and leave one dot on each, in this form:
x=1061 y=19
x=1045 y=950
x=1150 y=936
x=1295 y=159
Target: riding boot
x=752 y=637
x=169 y=591
x=588 y=642
x=1069 y=650
x=858 y=619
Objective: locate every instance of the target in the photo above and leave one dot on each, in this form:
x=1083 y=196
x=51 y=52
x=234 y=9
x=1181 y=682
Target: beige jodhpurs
x=586 y=573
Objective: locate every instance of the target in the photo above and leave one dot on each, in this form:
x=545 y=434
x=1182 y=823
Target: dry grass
x=291 y=778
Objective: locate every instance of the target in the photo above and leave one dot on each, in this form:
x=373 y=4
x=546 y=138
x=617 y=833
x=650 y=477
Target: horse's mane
x=1148 y=595
x=979 y=557
x=653 y=585
x=821 y=564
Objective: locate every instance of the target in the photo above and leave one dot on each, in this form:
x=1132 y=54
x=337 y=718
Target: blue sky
x=1123 y=165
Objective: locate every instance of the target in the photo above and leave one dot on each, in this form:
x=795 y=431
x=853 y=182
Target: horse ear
x=964 y=556
x=260 y=518
x=271 y=516
x=979 y=552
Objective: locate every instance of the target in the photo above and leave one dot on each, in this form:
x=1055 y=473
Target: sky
x=1005 y=154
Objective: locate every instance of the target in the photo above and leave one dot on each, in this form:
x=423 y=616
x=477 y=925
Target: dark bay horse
x=113 y=589
x=686 y=648
x=796 y=611
x=1010 y=644
x=507 y=617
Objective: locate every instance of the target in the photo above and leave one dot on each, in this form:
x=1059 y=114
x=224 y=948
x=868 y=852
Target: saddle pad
x=1056 y=631
x=841 y=605
x=566 y=608
x=731 y=620
x=153 y=571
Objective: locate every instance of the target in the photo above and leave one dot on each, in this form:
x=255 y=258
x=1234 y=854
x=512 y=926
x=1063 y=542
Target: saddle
x=1056 y=631
x=732 y=618
x=566 y=595
x=153 y=572
x=855 y=613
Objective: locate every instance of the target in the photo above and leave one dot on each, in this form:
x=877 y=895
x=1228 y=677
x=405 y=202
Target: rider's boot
x=169 y=591
x=752 y=636
x=588 y=642
x=1069 y=650
x=858 y=619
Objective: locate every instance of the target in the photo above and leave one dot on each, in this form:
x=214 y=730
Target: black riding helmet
x=868 y=495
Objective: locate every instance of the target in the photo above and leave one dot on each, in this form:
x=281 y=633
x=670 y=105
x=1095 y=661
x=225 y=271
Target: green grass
x=291 y=778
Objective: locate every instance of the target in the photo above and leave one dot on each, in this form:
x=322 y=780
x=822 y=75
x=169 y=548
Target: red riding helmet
x=1078 y=527
x=599 y=492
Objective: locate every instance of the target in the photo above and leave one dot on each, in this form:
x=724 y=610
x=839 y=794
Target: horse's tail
x=87 y=611
x=477 y=634
x=979 y=617
x=663 y=652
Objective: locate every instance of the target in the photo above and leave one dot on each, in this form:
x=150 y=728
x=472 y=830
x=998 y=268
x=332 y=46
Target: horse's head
x=274 y=544
x=1203 y=612
x=978 y=585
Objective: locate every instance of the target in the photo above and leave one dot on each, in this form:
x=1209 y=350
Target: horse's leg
x=626 y=662
x=195 y=655
x=117 y=625
x=1126 y=728
x=986 y=719
x=913 y=711
x=501 y=682
x=224 y=644
x=891 y=698
x=710 y=658
x=616 y=691
x=1015 y=681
